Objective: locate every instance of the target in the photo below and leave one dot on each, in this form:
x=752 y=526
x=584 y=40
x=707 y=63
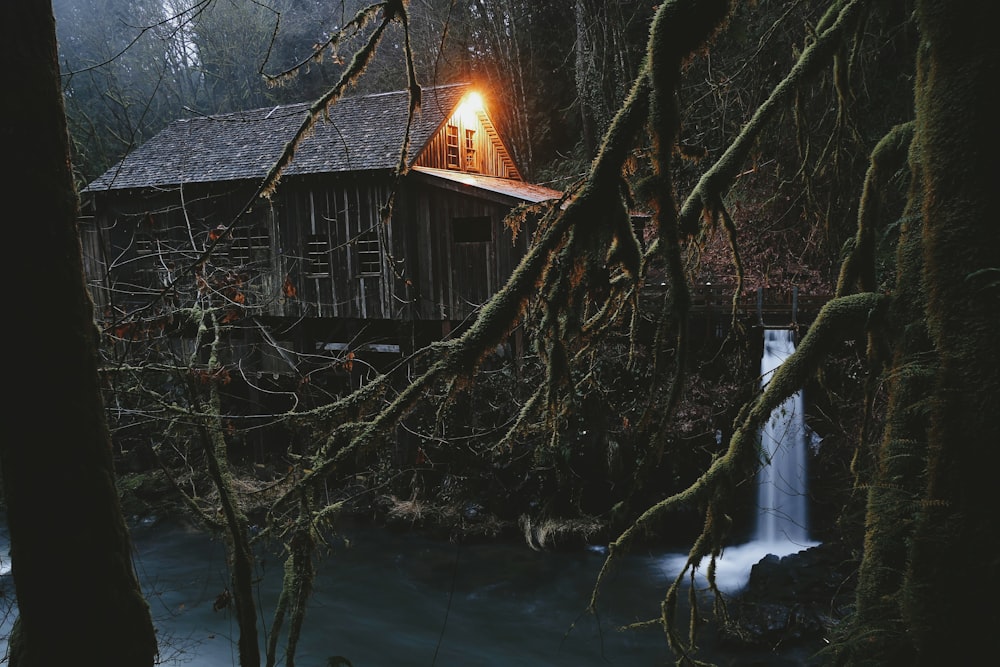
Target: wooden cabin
x=317 y=268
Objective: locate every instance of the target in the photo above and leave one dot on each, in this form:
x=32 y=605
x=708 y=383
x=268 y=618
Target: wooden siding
x=346 y=213
x=456 y=276
x=490 y=157
x=138 y=243
x=318 y=250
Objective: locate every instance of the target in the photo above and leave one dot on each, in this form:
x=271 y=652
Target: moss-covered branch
x=299 y=572
x=679 y=30
x=889 y=155
x=391 y=11
x=715 y=182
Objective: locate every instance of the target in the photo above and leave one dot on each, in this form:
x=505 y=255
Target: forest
x=840 y=149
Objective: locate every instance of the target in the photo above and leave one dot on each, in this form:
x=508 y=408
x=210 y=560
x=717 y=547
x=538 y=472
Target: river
x=389 y=598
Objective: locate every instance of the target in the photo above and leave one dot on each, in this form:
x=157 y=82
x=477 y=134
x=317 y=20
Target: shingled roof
x=362 y=133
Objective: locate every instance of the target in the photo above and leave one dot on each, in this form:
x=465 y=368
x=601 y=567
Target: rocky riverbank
x=793 y=602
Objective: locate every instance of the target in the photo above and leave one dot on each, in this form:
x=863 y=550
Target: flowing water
x=782 y=483
x=393 y=599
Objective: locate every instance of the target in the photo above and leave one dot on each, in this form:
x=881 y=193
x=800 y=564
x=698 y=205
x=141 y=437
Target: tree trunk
x=950 y=596
x=77 y=594
x=897 y=478
x=587 y=87
x=931 y=568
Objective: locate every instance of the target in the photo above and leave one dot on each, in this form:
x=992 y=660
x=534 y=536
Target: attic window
x=478 y=229
x=368 y=251
x=317 y=255
x=470 y=150
x=451 y=147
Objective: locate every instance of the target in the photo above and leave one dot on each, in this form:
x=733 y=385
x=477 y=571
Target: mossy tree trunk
x=78 y=598
x=931 y=569
x=895 y=485
x=953 y=580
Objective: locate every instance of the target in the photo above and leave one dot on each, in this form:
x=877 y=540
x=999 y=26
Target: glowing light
x=471 y=106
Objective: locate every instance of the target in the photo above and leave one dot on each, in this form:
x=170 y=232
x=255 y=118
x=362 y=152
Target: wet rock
x=793 y=600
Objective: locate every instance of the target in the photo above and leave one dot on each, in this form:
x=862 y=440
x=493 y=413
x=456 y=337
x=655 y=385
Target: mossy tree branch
x=716 y=181
x=858 y=268
x=705 y=202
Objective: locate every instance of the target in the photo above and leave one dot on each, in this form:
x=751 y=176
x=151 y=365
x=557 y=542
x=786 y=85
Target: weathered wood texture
x=337 y=252
x=321 y=249
x=468 y=141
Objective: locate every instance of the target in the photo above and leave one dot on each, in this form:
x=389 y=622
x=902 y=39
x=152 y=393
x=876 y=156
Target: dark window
x=318 y=255
x=144 y=246
x=152 y=246
x=477 y=229
x=250 y=245
x=148 y=237
x=156 y=255
x=369 y=254
x=451 y=147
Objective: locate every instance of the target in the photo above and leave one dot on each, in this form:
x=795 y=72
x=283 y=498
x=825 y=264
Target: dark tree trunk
x=77 y=594
x=587 y=86
x=930 y=577
x=950 y=599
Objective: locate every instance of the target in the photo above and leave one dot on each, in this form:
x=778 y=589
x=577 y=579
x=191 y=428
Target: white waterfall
x=782 y=483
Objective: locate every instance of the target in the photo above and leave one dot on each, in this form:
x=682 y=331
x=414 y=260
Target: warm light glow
x=471 y=105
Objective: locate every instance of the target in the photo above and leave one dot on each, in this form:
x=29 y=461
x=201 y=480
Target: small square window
x=144 y=246
x=152 y=246
x=148 y=235
x=250 y=245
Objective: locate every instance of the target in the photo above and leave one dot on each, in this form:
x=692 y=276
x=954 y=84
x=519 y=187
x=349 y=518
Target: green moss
x=858 y=268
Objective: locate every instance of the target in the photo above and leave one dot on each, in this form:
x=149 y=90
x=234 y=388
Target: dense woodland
x=841 y=147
